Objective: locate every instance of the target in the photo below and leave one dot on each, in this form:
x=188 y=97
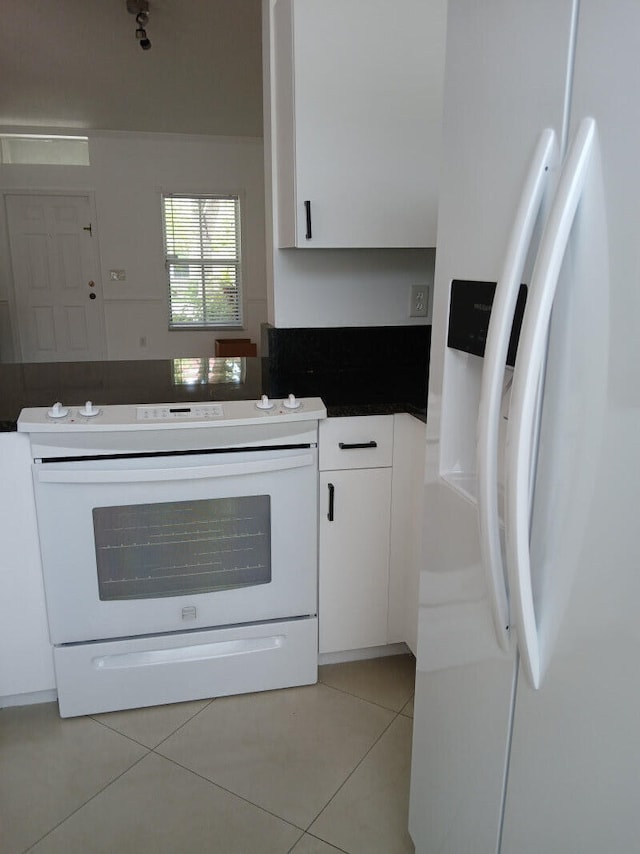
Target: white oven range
x=179 y=548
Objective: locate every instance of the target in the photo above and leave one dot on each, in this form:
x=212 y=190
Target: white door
x=506 y=63
x=58 y=297
x=575 y=759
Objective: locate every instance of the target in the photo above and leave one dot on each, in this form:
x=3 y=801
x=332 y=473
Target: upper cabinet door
x=358 y=121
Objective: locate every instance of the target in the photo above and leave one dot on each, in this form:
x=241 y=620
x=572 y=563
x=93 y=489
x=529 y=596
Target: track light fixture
x=140 y=8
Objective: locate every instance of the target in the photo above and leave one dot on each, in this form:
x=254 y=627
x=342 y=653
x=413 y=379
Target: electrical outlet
x=419 y=301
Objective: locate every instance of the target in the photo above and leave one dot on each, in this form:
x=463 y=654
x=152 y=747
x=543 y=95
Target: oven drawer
x=356 y=443
x=122 y=674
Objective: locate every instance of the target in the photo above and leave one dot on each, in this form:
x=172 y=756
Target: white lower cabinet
x=354 y=531
x=371 y=483
x=26 y=658
x=354 y=558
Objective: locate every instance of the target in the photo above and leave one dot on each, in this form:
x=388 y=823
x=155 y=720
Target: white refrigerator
x=527 y=708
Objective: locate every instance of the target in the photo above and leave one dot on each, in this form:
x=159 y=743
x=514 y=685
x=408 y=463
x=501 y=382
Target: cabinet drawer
x=356 y=443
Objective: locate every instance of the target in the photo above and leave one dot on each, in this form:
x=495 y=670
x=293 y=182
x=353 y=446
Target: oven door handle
x=57 y=475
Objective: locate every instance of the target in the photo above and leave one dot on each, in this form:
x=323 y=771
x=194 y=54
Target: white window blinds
x=202 y=240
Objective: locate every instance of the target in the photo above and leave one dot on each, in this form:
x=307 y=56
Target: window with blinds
x=202 y=244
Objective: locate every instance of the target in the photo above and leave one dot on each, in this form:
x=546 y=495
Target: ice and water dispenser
x=469 y=312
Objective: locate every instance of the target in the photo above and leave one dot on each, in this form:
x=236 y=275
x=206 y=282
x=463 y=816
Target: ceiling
x=77 y=64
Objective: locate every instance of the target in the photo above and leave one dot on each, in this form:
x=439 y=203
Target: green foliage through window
x=202 y=244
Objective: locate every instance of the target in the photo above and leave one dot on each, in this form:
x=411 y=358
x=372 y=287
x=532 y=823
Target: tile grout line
x=150 y=750
x=258 y=806
x=304 y=830
x=397 y=714
x=351 y=773
x=95 y=795
x=116 y=778
x=183 y=724
x=345 y=781
x=313 y=836
x=324 y=841
x=229 y=791
x=154 y=750
x=296 y=842
x=365 y=700
x=173 y=732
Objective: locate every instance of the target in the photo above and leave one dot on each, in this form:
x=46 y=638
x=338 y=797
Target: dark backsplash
x=350 y=365
x=355 y=370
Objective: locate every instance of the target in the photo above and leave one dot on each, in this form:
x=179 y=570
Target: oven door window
x=175 y=548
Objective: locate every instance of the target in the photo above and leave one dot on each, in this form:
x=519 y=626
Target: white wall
x=128 y=173
x=348 y=287
x=321 y=287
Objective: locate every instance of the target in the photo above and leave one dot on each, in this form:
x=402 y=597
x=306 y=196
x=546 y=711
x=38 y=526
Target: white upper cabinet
x=357 y=121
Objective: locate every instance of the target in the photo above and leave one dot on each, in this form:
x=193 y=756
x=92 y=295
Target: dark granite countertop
x=196 y=379
x=344 y=411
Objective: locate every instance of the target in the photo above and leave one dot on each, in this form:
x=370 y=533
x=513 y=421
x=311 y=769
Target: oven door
x=136 y=546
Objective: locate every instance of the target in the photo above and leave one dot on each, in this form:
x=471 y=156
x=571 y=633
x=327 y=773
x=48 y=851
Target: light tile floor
x=313 y=770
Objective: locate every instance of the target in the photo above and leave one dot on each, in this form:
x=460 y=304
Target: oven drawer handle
x=199 y=652
x=148 y=475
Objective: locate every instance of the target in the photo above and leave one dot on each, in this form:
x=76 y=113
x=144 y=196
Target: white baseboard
x=29 y=699
x=362 y=654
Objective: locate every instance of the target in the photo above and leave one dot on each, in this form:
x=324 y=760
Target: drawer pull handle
x=332 y=491
x=345 y=446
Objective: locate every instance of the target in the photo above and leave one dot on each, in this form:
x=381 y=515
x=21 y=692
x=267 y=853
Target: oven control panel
x=179 y=411
x=87 y=417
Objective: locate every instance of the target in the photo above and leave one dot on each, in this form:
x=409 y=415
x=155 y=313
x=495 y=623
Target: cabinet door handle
x=332 y=491
x=345 y=446
x=307 y=209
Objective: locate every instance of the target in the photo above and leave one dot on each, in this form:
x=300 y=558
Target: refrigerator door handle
x=526 y=385
x=499 y=332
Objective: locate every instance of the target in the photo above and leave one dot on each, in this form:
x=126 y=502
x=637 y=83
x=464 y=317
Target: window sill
x=188 y=327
